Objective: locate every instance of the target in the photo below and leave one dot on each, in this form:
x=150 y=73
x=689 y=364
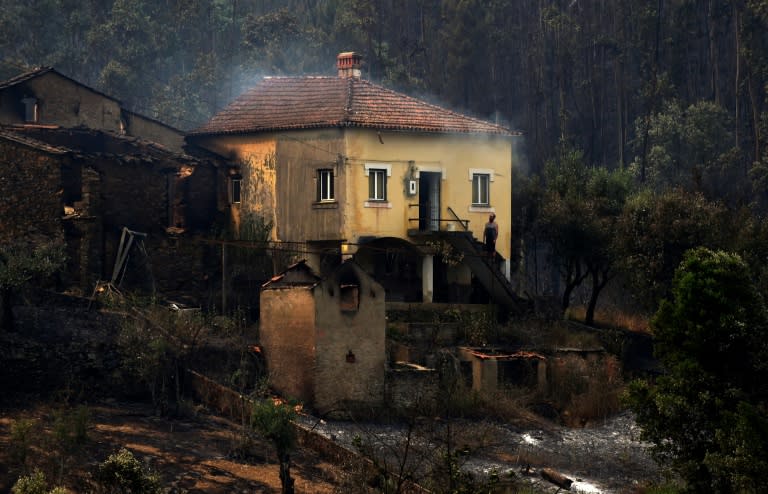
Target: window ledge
x=378 y=204
x=325 y=205
x=477 y=208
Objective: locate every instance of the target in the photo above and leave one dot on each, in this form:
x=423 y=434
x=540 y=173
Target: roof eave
x=357 y=125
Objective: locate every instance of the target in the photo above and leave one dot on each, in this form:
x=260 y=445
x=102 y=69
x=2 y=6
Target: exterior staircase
x=486 y=270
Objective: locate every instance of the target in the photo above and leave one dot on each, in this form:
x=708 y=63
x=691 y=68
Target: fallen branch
x=556 y=478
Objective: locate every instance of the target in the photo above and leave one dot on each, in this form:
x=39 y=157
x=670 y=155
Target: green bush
x=31 y=484
x=122 y=473
x=22 y=433
x=70 y=428
x=274 y=421
x=35 y=484
x=705 y=417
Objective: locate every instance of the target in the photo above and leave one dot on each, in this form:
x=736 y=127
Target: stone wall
x=56 y=343
x=412 y=388
x=134 y=194
x=201 y=190
x=146 y=128
x=29 y=201
x=68 y=104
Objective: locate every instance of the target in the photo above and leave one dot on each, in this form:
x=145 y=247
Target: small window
x=349 y=298
x=377 y=185
x=325 y=185
x=480 y=186
x=31 y=110
x=234 y=190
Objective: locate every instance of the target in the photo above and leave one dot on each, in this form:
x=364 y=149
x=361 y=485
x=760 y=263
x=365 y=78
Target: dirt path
x=202 y=454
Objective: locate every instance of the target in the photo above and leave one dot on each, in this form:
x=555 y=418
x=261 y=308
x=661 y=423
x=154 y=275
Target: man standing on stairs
x=490 y=234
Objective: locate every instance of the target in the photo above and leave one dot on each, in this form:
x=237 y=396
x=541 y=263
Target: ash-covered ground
x=608 y=458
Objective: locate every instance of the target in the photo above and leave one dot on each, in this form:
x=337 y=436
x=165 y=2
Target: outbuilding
x=324 y=338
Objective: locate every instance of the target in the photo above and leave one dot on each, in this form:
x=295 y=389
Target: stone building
x=77 y=168
x=30 y=177
x=44 y=96
x=324 y=338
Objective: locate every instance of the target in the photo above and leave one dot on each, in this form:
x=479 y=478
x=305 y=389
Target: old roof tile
x=283 y=103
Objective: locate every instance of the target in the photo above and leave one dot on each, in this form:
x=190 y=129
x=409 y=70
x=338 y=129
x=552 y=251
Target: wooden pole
x=223 y=278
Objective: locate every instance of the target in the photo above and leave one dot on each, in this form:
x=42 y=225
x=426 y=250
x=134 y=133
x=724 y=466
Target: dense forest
x=597 y=73
x=645 y=122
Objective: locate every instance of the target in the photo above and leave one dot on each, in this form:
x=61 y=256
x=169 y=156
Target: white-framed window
x=481 y=185
x=325 y=185
x=235 y=184
x=377 y=185
x=377 y=174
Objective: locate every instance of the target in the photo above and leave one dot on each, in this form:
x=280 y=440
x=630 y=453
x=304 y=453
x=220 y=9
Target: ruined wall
x=412 y=389
x=185 y=268
x=341 y=380
x=29 y=201
x=286 y=332
x=201 y=191
x=68 y=104
x=83 y=228
x=133 y=194
x=146 y=128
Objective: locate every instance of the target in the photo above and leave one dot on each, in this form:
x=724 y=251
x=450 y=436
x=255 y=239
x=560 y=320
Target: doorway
x=429 y=201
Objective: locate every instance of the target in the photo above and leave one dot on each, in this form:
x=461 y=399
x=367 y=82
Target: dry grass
x=585 y=389
x=611 y=317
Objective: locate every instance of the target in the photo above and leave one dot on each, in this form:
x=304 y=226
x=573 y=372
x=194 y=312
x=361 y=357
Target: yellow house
x=344 y=167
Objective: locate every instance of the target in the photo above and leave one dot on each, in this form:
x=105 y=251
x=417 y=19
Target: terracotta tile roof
x=283 y=103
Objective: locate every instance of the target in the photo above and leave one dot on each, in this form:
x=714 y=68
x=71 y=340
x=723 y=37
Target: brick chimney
x=348 y=64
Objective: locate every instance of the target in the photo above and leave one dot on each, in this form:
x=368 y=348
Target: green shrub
x=274 y=421
x=122 y=473
x=70 y=433
x=22 y=433
x=35 y=484
x=70 y=428
x=31 y=484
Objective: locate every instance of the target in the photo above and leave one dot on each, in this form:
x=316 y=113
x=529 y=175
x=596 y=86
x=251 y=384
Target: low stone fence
x=236 y=406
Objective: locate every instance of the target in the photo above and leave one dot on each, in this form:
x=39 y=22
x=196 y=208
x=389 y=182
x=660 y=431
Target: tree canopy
x=705 y=416
x=604 y=75
x=579 y=211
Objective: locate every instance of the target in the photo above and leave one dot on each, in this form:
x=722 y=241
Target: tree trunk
x=573 y=278
x=600 y=278
x=285 y=474
x=6 y=309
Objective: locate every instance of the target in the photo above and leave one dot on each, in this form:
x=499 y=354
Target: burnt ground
x=204 y=453
x=605 y=458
